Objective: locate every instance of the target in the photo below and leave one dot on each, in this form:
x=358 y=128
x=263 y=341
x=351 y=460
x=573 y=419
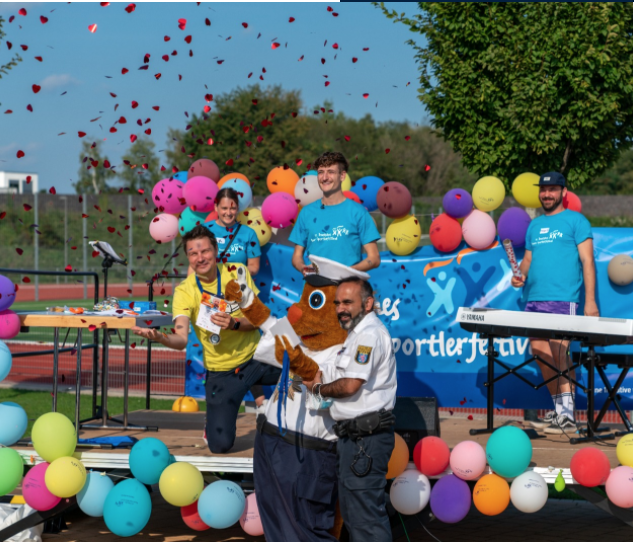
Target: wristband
x=317 y=389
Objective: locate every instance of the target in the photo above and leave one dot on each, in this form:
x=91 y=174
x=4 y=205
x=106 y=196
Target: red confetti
x=36 y=88
x=366 y=95
x=188 y=39
x=366 y=48
x=427 y=167
x=92 y=327
x=291 y=19
x=3 y=214
x=124 y=71
x=133 y=138
x=328 y=8
x=38 y=58
x=274 y=45
x=19 y=251
x=354 y=59
x=469 y=417
x=182 y=23
x=229 y=162
x=26 y=279
x=68 y=268
x=43 y=19
x=387 y=151
x=81 y=134
x=104 y=4
x=22 y=12
x=135 y=104
x=111 y=229
x=407 y=138
x=52 y=190
x=207 y=22
x=92 y=28
x=335 y=46
x=245 y=25
x=19 y=154
x=130 y=8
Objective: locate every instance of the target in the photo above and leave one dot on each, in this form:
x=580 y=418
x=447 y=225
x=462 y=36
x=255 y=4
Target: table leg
x=126 y=369
x=104 y=380
x=491 y=355
x=55 y=365
x=78 y=379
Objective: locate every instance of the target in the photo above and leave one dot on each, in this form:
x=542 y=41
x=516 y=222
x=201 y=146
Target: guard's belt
x=366 y=424
x=296 y=439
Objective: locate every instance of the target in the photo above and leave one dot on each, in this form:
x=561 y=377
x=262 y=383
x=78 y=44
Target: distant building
x=14 y=182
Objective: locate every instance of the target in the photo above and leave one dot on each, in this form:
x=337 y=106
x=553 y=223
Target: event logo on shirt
x=546 y=237
x=543 y=231
x=333 y=235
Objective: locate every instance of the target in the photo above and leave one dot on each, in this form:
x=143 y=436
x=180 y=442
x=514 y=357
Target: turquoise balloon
x=92 y=497
x=221 y=504
x=127 y=508
x=245 y=194
x=367 y=189
x=13 y=422
x=148 y=459
x=188 y=220
x=5 y=361
x=509 y=451
x=11 y=470
x=180 y=176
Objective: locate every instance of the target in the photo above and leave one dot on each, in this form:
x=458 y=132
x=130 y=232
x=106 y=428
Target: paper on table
x=284 y=327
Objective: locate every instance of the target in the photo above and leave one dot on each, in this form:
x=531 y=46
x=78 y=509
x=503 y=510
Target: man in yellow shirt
x=228 y=354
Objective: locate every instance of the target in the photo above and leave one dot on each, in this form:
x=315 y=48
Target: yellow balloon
x=403 y=235
x=252 y=217
x=185 y=404
x=53 y=436
x=65 y=477
x=347 y=183
x=488 y=193
x=624 y=450
x=525 y=190
x=181 y=484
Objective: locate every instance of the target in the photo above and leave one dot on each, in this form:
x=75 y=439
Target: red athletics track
x=62 y=292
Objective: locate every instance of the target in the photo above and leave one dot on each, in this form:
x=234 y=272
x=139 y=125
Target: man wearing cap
x=558 y=260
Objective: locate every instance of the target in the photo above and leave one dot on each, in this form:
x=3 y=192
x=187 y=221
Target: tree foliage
x=94 y=171
x=13 y=61
x=521 y=87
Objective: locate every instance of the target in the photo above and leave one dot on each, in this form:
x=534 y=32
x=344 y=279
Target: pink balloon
x=468 y=460
x=9 y=324
x=164 y=228
x=250 y=520
x=34 y=489
x=619 y=486
x=167 y=195
x=199 y=193
x=279 y=210
x=572 y=202
x=478 y=230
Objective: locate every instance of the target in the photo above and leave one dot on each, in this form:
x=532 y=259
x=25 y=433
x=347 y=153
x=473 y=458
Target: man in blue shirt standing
x=558 y=260
x=334 y=226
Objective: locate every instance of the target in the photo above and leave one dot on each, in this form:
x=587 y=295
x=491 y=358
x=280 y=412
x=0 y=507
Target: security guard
x=362 y=384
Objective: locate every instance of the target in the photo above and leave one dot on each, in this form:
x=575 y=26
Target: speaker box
x=416 y=417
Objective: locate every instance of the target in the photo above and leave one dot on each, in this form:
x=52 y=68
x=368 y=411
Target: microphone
x=323 y=206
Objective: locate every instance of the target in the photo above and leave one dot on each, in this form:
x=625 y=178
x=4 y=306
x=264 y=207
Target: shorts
x=551 y=307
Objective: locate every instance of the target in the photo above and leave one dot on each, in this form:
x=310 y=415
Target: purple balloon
x=450 y=499
x=513 y=224
x=7 y=293
x=457 y=203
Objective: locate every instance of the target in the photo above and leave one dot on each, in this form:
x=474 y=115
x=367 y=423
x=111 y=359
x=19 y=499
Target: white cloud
x=58 y=80
x=11 y=8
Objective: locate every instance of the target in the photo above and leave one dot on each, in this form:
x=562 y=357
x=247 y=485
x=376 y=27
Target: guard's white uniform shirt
x=367 y=354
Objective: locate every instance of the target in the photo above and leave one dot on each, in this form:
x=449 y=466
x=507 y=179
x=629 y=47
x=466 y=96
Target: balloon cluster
x=9 y=320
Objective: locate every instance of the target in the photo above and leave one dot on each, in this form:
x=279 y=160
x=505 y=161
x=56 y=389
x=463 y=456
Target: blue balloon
x=127 y=508
x=13 y=422
x=221 y=504
x=180 y=176
x=367 y=189
x=189 y=219
x=148 y=459
x=509 y=451
x=92 y=497
x=5 y=361
x=245 y=194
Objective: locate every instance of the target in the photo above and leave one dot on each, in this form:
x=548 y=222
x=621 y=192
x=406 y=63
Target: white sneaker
x=262 y=408
x=543 y=423
x=561 y=424
x=205 y=436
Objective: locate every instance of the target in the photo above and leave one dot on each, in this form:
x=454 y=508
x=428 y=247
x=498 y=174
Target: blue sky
x=75 y=64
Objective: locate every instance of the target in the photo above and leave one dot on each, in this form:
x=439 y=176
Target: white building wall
x=14 y=182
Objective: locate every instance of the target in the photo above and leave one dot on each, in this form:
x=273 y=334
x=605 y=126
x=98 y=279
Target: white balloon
x=307 y=190
x=164 y=228
x=529 y=492
x=410 y=492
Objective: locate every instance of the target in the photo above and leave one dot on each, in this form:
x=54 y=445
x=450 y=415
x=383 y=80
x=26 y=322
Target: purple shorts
x=552 y=307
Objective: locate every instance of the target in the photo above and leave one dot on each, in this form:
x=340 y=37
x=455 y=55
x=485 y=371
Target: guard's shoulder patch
x=363 y=354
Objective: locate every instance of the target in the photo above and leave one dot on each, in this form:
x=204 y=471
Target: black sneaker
x=543 y=423
x=561 y=424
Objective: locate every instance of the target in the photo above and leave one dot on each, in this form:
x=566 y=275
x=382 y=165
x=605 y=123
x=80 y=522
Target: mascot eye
x=317 y=299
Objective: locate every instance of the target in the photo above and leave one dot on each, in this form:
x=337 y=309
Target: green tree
x=616 y=180
x=140 y=166
x=4 y=68
x=94 y=171
x=521 y=87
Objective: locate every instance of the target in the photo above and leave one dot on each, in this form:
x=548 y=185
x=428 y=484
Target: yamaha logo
x=473 y=317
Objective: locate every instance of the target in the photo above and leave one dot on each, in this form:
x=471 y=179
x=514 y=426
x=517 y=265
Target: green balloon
x=11 y=470
x=560 y=483
x=53 y=436
x=509 y=451
x=188 y=220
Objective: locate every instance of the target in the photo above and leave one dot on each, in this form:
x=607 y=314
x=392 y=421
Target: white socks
x=565 y=405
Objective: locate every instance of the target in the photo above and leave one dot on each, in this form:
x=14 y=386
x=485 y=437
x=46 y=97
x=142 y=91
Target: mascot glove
x=301 y=364
x=238 y=291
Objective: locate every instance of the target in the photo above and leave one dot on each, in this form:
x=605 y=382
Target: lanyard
x=200 y=286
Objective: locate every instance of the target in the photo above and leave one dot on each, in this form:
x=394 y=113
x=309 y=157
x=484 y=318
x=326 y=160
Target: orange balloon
x=399 y=459
x=233 y=176
x=351 y=195
x=491 y=495
x=212 y=217
x=282 y=180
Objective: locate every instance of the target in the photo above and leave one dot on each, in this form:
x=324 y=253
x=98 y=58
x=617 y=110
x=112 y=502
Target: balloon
x=450 y=499
x=53 y=436
x=65 y=477
x=211 y=217
x=431 y=455
x=525 y=190
x=572 y=202
x=307 y=190
x=403 y=235
x=488 y=193
x=5 y=361
x=529 y=492
x=13 y=422
x=203 y=168
x=192 y=519
x=352 y=196
x=279 y=210
x=478 y=230
x=222 y=181
x=394 y=200
x=200 y=193
x=180 y=176
x=127 y=508
x=457 y=203
x=282 y=180
x=590 y=467
x=513 y=224
x=167 y=195
x=181 y=484
x=445 y=233
x=399 y=458
x=410 y=492
x=250 y=520
x=92 y=497
x=619 y=270
x=560 y=483
x=367 y=189
x=491 y=495
x=346 y=185
x=185 y=404
x=509 y=451
x=164 y=228
x=245 y=195
x=221 y=504
x=11 y=470
x=619 y=486
x=624 y=450
x=468 y=460
x=148 y=459
x=7 y=293
x=252 y=217
x=189 y=219
x=9 y=324
x=34 y=489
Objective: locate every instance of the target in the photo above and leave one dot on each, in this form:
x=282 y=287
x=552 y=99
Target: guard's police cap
x=330 y=273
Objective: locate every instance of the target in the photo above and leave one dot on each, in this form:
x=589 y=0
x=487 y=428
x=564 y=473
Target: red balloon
x=204 y=168
x=192 y=519
x=394 y=200
x=572 y=202
x=445 y=233
x=590 y=467
x=212 y=217
x=431 y=456
x=351 y=195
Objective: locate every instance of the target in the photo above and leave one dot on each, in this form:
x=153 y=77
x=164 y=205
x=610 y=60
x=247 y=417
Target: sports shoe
x=543 y=423
x=561 y=424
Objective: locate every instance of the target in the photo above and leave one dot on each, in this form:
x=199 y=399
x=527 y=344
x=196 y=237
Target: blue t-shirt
x=245 y=245
x=337 y=232
x=556 y=273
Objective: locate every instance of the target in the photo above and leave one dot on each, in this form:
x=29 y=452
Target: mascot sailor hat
x=328 y=272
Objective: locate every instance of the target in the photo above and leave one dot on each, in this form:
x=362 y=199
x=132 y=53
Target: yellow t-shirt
x=235 y=347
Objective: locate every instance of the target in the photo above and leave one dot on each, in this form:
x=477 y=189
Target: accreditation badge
x=363 y=354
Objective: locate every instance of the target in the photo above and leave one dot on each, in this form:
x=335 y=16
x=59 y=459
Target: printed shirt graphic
x=337 y=232
x=244 y=246
x=556 y=273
